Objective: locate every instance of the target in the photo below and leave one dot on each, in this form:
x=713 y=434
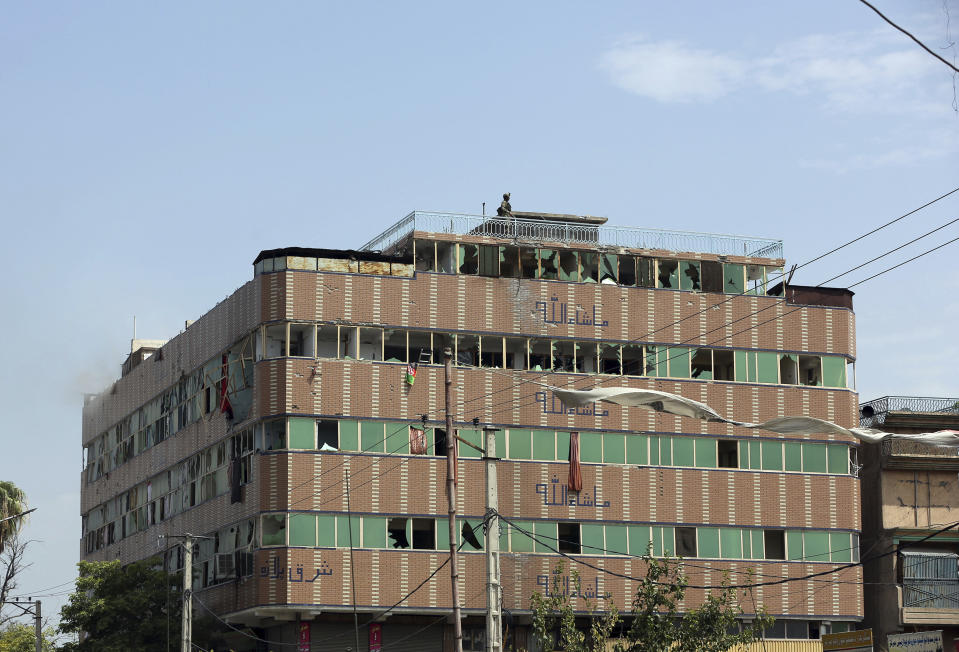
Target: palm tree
x=12 y=502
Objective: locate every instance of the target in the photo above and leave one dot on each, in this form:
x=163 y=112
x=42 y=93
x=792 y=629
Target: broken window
x=491 y=351
x=301 y=340
x=656 y=360
x=685 y=542
x=468 y=259
x=273 y=530
x=609 y=360
x=689 y=279
x=774 y=542
x=516 y=352
x=548 y=264
x=529 y=264
x=645 y=272
x=509 y=262
x=274 y=435
x=539 y=355
x=668 y=273
x=711 y=276
x=420 y=347
x=425 y=255
x=467 y=350
x=810 y=370
x=588 y=267
x=733 y=276
x=568 y=265
x=788 y=370
x=586 y=355
x=728 y=454
x=702 y=364
x=441 y=342
x=439 y=442
x=327 y=434
x=607 y=269
x=755 y=279
x=394 y=345
x=633 y=359
x=568 y=538
x=446 y=257
x=276 y=340
x=348 y=342
x=488 y=260
x=424 y=533
x=564 y=355
x=326 y=338
x=627 y=270
x=723 y=365
x=371 y=344
x=398 y=532
x=774 y=277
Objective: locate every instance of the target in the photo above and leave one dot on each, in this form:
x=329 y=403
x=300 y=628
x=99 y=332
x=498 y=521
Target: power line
x=920 y=43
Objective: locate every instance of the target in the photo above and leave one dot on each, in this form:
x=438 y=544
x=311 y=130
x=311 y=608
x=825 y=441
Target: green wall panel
x=302 y=433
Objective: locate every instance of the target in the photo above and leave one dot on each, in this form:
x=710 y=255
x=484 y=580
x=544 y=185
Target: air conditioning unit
x=225 y=566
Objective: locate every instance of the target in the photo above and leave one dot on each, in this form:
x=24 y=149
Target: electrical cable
x=920 y=43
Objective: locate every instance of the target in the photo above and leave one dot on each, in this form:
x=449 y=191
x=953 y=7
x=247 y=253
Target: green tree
x=655 y=622
x=20 y=637
x=119 y=608
x=12 y=501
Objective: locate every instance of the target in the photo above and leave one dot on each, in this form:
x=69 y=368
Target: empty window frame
x=788 y=369
x=276 y=340
x=774 y=543
x=528 y=263
x=491 y=351
x=633 y=360
x=326 y=341
x=423 y=534
x=539 y=355
x=685 y=542
x=327 y=434
x=568 y=265
x=371 y=344
x=586 y=355
x=548 y=264
x=667 y=275
x=516 y=353
x=302 y=340
x=509 y=262
x=398 y=533
x=568 y=539
x=394 y=345
x=810 y=370
x=689 y=277
x=645 y=272
x=627 y=270
x=424 y=255
x=609 y=359
x=439 y=442
x=274 y=434
x=347 y=344
x=441 y=342
x=728 y=454
x=489 y=260
x=724 y=365
x=564 y=354
x=607 y=269
x=711 y=276
x=467 y=350
x=755 y=279
x=468 y=258
x=420 y=347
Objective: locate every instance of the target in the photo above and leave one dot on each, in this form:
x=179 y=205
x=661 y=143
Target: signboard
x=917 y=642
x=376 y=637
x=860 y=641
x=303 y=638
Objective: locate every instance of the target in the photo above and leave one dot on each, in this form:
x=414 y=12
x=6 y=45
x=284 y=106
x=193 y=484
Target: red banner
x=376 y=637
x=304 y=638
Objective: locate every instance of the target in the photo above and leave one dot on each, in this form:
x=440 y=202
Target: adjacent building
x=300 y=426
x=910 y=491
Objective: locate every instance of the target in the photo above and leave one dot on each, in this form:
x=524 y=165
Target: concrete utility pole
x=186 y=633
x=451 y=496
x=494 y=613
x=39 y=627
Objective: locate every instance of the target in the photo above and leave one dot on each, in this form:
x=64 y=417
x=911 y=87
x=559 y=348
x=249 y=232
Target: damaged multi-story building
x=326 y=368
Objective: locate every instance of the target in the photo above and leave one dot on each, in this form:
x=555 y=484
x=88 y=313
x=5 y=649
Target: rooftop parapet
x=582 y=230
x=874 y=413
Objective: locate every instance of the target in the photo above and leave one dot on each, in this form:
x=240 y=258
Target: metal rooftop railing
x=527 y=230
x=873 y=413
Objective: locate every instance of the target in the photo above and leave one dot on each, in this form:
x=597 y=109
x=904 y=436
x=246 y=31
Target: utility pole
x=186 y=633
x=494 y=612
x=39 y=627
x=451 y=496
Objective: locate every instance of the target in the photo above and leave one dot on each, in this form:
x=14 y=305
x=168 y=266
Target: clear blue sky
x=148 y=152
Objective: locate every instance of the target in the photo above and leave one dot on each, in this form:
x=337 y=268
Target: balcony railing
x=527 y=230
x=873 y=413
